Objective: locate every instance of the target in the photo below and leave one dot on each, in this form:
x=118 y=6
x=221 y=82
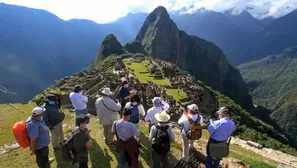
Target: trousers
x=42 y=157
x=57 y=135
x=108 y=138
x=160 y=159
x=187 y=144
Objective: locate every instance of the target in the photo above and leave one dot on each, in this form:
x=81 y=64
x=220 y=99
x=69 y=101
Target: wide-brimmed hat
x=223 y=110
x=194 y=108
x=38 y=110
x=106 y=91
x=162 y=116
x=157 y=101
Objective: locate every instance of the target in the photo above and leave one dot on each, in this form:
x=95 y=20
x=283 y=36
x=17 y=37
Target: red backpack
x=20 y=134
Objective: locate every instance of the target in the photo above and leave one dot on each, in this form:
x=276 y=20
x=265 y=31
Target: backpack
x=134 y=117
x=195 y=131
x=20 y=134
x=161 y=141
x=67 y=147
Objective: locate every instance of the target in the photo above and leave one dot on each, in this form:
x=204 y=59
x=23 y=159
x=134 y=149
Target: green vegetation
x=141 y=71
x=101 y=155
x=272 y=83
x=251 y=128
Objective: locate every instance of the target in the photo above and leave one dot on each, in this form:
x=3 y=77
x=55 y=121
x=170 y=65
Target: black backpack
x=161 y=141
x=67 y=147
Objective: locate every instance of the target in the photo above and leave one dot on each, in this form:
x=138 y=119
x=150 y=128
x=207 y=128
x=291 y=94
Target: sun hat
x=194 y=108
x=162 y=116
x=157 y=102
x=106 y=91
x=38 y=110
x=223 y=110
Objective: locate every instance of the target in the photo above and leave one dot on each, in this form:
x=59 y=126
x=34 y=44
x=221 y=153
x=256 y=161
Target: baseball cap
x=38 y=110
x=194 y=108
x=223 y=110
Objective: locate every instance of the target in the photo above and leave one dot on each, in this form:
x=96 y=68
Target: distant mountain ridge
x=48 y=47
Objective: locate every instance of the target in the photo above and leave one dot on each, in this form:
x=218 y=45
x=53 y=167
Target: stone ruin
x=93 y=81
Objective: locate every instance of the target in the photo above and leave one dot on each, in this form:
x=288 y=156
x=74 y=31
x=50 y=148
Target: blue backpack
x=134 y=117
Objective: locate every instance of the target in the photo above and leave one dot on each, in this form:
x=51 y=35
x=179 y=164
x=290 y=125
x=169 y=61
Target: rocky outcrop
x=109 y=46
x=135 y=47
x=162 y=39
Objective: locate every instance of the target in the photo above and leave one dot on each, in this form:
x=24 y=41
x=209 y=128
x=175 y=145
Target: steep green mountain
x=273 y=84
x=271 y=78
x=162 y=39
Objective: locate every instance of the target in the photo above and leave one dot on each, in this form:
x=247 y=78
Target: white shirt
x=79 y=101
x=186 y=124
x=150 y=116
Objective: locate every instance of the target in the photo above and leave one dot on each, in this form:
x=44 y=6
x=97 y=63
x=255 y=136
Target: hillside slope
x=162 y=39
x=272 y=82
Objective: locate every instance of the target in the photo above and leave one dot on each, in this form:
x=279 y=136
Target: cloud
x=103 y=11
x=258 y=8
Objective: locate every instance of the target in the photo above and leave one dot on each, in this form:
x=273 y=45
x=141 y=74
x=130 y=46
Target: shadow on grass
x=61 y=163
x=99 y=157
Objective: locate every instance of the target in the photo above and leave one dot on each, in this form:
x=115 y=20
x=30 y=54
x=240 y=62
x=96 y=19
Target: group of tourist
x=120 y=121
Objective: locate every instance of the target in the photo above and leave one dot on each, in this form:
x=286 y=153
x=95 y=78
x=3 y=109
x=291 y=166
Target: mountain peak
x=162 y=39
x=109 y=46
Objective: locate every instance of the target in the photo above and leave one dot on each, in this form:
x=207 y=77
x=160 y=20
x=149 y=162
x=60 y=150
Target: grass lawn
x=142 y=73
x=100 y=155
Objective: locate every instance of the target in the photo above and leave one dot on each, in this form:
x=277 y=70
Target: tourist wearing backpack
x=53 y=118
x=137 y=110
x=128 y=135
x=39 y=137
x=191 y=122
x=161 y=135
x=159 y=106
x=82 y=141
x=79 y=101
x=219 y=131
x=107 y=112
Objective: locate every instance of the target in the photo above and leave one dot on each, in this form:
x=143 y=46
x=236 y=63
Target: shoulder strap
x=116 y=132
x=189 y=119
x=107 y=107
x=198 y=119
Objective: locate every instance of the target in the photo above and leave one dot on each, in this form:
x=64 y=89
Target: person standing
x=53 y=118
x=82 y=141
x=137 y=110
x=219 y=131
x=79 y=101
x=126 y=132
x=161 y=135
x=159 y=106
x=190 y=117
x=39 y=137
x=107 y=112
x=124 y=93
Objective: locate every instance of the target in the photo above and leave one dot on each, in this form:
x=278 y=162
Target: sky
x=102 y=11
